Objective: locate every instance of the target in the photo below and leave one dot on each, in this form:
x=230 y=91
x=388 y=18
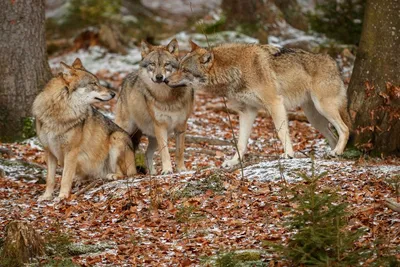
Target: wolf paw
x=333 y=154
x=112 y=176
x=60 y=198
x=182 y=169
x=45 y=197
x=287 y=156
x=165 y=172
x=229 y=163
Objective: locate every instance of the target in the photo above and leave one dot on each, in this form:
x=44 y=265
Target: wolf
x=76 y=135
x=148 y=106
x=256 y=76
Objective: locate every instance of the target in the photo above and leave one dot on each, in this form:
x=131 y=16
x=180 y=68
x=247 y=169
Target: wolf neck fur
x=60 y=109
x=222 y=80
x=160 y=92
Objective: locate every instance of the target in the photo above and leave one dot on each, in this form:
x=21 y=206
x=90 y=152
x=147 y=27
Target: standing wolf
x=76 y=135
x=147 y=105
x=263 y=76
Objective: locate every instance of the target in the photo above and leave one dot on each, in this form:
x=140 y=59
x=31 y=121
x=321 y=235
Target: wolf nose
x=112 y=94
x=159 y=78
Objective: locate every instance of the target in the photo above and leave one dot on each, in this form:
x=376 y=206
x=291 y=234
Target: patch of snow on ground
x=289 y=169
x=97 y=58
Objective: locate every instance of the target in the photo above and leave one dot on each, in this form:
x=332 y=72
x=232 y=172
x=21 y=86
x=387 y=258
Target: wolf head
x=83 y=85
x=193 y=68
x=159 y=62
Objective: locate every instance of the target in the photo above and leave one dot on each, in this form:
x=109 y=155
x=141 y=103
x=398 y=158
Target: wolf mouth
x=102 y=100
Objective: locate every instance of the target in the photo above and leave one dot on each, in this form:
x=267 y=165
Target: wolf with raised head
x=147 y=105
x=255 y=76
x=76 y=135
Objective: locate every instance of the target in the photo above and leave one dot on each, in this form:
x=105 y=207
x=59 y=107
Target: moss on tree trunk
x=374 y=89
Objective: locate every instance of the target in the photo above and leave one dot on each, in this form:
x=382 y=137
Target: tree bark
x=23 y=63
x=374 y=90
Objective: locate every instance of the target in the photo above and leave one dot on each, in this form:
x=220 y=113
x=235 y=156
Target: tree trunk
x=23 y=63
x=293 y=14
x=21 y=244
x=374 y=89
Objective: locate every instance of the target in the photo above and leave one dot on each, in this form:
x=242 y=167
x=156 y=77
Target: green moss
x=340 y=20
x=28 y=127
x=239 y=258
x=213 y=182
x=352 y=153
x=140 y=161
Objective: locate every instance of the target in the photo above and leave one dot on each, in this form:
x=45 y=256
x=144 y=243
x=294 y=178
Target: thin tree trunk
x=23 y=63
x=374 y=89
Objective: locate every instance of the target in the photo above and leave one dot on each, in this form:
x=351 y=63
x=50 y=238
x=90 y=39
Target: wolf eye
x=152 y=64
x=185 y=71
x=167 y=64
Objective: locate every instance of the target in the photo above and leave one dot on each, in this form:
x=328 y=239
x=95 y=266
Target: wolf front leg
x=151 y=148
x=162 y=140
x=180 y=133
x=246 y=120
x=70 y=163
x=50 y=179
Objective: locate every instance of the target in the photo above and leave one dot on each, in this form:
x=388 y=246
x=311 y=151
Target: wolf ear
x=173 y=48
x=77 y=64
x=66 y=70
x=193 y=46
x=145 y=48
x=207 y=58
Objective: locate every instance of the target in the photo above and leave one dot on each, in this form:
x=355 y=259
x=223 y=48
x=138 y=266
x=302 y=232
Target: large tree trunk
x=374 y=89
x=23 y=63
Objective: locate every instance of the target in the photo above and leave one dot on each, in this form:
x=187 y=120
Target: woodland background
x=311 y=210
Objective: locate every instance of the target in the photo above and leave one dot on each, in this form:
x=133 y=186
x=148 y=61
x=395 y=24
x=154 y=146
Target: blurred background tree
x=339 y=20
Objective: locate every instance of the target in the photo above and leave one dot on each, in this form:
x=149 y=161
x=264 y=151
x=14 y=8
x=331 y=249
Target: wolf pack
x=158 y=98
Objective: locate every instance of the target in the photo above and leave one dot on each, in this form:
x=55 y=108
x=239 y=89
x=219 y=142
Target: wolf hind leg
x=319 y=122
x=329 y=107
x=246 y=120
x=121 y=156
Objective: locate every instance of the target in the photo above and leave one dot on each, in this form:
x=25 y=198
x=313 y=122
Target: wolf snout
x=159 y=78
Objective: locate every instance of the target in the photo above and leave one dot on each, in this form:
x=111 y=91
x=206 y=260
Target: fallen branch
x=210 y=141
x=292 y=116
x=30 y=164
x=392 y=204
x=86 y=188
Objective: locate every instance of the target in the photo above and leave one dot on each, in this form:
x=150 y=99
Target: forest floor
x=184 y=219
x=187 y=219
